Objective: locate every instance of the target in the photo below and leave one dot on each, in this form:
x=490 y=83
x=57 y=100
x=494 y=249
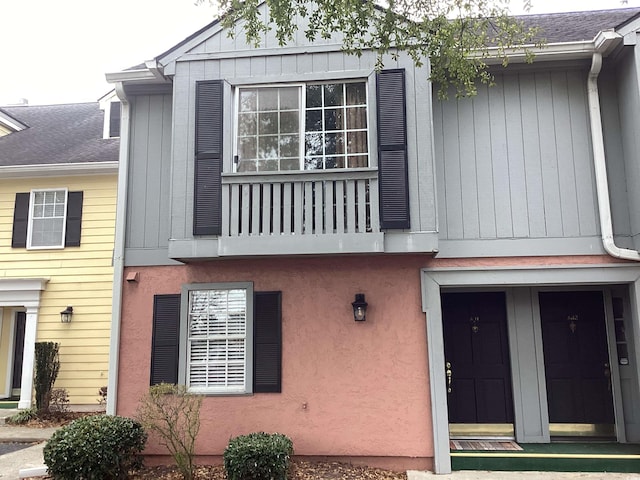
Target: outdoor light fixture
x=66 y=314
x=359 y=308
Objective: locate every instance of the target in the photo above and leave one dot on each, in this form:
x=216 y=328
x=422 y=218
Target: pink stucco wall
x=348 y=389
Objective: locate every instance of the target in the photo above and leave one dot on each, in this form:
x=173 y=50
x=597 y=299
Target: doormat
x=483 y=445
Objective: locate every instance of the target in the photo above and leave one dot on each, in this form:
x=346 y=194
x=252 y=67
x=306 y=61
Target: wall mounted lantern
x=66 y=314
x=359 y=308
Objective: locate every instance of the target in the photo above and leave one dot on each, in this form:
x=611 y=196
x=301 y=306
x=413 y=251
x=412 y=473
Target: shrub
x=258 y=456
x=99 y=447
x=172 y=414
x=47 y=368
x=59 y=400
x=23 y=416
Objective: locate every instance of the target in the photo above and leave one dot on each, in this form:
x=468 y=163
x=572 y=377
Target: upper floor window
x=302 y=127
x=47 y=218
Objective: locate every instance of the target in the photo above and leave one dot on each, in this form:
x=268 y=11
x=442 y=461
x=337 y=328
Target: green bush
x=99 y=447
x=23 y=416
x=258 y=456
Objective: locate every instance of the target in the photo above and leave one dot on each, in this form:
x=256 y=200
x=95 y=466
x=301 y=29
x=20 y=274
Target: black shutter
x=165 y=339
x=114 y=119
x=207 y=198
x=392 y=149
x=267 y=342
x=20 y=220
x=74 y=219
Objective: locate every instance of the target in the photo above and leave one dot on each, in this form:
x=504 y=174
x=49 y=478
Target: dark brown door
x=476 y=348
x=18 y=349
x=576 y=357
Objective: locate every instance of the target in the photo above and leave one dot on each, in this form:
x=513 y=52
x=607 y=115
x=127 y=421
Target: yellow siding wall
x=79 y=276
x=4 y=130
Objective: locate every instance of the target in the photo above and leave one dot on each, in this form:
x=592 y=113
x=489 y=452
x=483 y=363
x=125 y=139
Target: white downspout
x=118 y=251
x=599 y=161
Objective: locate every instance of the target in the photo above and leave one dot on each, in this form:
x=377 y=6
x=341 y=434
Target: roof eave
x=57 y=170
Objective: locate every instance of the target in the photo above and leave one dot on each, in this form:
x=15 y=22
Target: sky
x=59 y=51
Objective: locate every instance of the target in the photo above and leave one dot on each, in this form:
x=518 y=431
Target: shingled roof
x=578 y=26
x=57 y=134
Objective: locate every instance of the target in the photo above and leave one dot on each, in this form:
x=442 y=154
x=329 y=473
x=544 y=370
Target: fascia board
x=630 y=27
x=144 y=75
x=168 y=61
x=11 y=123
x=57 y=170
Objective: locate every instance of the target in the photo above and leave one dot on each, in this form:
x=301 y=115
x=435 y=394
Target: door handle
x=449 y=374
x=607 y=374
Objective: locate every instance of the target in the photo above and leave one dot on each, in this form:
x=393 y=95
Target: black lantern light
x=66 y=314
x=359 y=308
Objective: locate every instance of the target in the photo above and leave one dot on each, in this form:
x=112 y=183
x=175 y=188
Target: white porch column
x=28 y=357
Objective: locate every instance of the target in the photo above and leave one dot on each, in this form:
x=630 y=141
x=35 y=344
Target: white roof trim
x=140 y=75
x=11 y=123
x=631 y=27
x=57 y=170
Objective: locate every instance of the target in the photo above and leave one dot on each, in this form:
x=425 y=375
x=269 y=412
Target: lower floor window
x=219 y=339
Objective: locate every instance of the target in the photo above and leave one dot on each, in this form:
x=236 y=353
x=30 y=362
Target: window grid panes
x=269 y=129
x=336 y=126
x=217 y=340
x=48 y=212
x=313 y=126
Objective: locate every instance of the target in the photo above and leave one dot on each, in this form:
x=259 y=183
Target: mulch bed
x=300 y=470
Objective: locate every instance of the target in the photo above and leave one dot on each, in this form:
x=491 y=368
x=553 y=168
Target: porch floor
x=553 y=457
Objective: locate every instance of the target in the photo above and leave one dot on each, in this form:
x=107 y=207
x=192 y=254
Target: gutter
x=603 y=42
x=118 y=251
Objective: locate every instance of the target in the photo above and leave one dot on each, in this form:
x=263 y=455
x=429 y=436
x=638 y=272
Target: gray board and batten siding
x=230 y=60
x=514 y=169
x=623 y=102
x=149 y=186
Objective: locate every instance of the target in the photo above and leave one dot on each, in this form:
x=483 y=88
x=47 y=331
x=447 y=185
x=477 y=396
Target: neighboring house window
x=302 y=127
x=114 y=119
x=219 y=323
x=47 y=219
x=218 y=339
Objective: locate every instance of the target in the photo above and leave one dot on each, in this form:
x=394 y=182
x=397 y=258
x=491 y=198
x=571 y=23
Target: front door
x=576 y=363
x=477 y=360
x=18 y=349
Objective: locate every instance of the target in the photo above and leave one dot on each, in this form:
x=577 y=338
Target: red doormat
x=483 y=445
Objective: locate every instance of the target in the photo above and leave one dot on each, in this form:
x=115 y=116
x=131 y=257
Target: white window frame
x=185 y=341
x=31 y=219
x=301 y=120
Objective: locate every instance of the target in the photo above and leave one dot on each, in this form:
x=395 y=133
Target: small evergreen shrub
x=47 y=368
x=99 y=447
x=258 y=456
x=23 y=416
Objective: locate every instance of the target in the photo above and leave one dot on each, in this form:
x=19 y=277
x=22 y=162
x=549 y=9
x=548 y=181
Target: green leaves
x=100 y=447
x=258 y=456
x=459 y=37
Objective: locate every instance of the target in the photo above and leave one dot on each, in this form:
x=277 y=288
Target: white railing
x=325 y=202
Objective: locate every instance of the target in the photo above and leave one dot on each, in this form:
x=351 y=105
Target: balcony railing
x=300 y=203
x=300 y=213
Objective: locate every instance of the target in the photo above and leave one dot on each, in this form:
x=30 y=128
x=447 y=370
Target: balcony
x=308 y=212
